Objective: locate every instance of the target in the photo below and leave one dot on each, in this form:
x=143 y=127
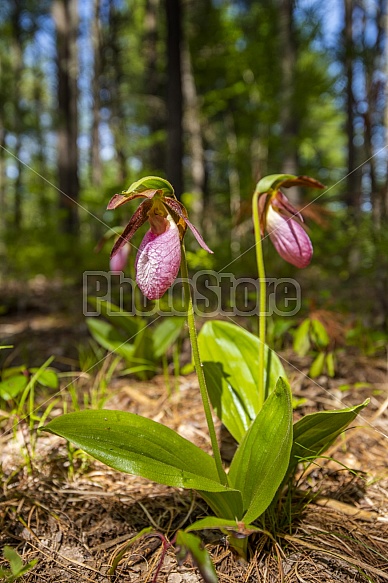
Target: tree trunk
x=353 y=181
x=17 y=58
x=384 y=193
x=116 y=106
x=65 y=15
x=155 y=103
x=234 y=184
x=174 y=163
x=288 y=117
x=194 y=130
x=95 y=158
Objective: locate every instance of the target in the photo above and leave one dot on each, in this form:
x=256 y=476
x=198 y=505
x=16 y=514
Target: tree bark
x=116 y=106
x=174 y=162
x=194 y=131
x=353 y=181
x=95 y=157
x=156 y=107
x=65 y=15
x=288 y=117
x=17 y=58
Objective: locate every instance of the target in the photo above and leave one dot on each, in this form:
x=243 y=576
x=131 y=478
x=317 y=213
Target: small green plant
x=141 y=344
x=237 y=372
x=311 y=336
x=17 y=568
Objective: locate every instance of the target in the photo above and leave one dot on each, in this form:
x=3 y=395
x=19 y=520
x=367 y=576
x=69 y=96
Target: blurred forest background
x=212 y=95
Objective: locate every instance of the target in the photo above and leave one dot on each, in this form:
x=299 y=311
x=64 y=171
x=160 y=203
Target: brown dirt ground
x=75 y=517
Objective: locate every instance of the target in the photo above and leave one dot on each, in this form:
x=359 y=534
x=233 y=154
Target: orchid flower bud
x=289 y=238
x=119 y=261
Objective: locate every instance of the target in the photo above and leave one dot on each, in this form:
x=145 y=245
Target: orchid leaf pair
x=137 y=445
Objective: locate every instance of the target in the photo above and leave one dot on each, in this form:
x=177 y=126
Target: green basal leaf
x=13 y=558
x=302 y=342
x=10 y=388
x=319 y=334
x=330 y=367
x=165 y=334
x=228 y=504
x=136 y=445
x=116 y=317
x=226 y=402
x=110 y=338
x=190 y=543
x=150 y=183
x=237 y=353
x=213 y=522
x=315 y=432
x=47 y=378
x=262 y=458
x=12 y=371
x=318 y=365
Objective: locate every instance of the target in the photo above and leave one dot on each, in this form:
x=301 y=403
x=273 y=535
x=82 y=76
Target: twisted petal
x=157 y=262
x=178 y=208
x=289 y=238
x=139 y=217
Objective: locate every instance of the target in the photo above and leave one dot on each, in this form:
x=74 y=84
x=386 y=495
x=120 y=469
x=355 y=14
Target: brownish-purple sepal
x=302 y=181
x=178 y=208
x=120 y=199
x=139 y=217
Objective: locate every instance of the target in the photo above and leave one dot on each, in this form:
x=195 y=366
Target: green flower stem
x=198 y=367
x=263 y=294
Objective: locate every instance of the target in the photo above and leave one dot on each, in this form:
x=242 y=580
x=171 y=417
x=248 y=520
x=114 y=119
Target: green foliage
x=191 y=544
x=314 y=433
x=132 y=337
x=261 y=460
x=17 y=568
x=16 y=380
x=235 y=352
x=136 y=445
x=311 y=336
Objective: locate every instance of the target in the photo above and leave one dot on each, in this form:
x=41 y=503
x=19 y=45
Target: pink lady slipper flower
x=159 y=255
x=282 y=221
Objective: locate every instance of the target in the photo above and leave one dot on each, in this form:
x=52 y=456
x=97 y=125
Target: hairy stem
x=198 y=367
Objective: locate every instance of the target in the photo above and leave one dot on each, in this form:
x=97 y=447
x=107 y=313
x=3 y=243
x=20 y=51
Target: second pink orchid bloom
x=284 y=225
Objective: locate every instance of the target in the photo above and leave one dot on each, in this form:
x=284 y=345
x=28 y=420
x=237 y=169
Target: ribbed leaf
x=237 y=352
x=165 y=334
x=226 y=402
x=315 y=432
x=136 y=445
x=262 y=458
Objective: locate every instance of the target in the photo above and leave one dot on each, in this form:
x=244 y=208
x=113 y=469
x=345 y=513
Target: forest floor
x=75 y=515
